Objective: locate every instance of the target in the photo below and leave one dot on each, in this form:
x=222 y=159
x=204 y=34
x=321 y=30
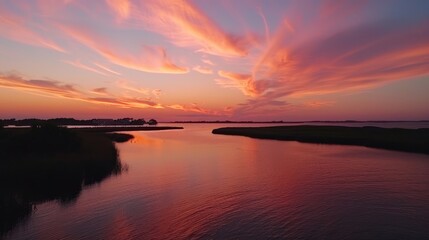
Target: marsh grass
x=408 y=140
x=50 y=163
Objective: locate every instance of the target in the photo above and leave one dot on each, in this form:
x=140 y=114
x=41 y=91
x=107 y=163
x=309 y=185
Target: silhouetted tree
x=152 y=122
x=138 y=122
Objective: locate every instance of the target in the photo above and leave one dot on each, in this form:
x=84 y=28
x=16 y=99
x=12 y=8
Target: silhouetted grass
x=47 y=162
x=119 y=137
x=408 y=140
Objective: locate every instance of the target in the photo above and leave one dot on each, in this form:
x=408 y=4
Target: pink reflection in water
x=192 y=184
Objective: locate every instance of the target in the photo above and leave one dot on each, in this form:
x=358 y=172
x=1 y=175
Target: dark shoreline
x=407 y=140
x=44 y=163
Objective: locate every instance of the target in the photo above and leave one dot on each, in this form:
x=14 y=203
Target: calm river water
x=185 y=184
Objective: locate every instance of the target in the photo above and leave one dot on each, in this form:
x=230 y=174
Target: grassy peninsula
x=46 y=162
x=50 y=163
x=408 y=140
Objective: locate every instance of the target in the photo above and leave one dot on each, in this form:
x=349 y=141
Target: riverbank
x=47 y=162
x=407 y=140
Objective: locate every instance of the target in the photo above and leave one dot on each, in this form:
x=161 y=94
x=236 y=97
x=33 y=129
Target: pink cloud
x=121 y=7
x=340 y=62
x=185 y=25
x=203 y=70
x=333 y=55
x=150 y=59
x=208 y=62
x=61 y=90
x=243 y=82
x=48 y=87
x=19 y=29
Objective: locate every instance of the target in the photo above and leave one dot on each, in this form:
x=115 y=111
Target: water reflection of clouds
x=145 y=140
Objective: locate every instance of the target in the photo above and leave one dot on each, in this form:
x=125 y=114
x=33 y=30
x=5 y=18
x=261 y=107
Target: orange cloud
x=195 y=108
x=61 y=90
x=58 y=89
x=185 y=25
x=321 y=66
x=17 y=29
x=326 y=58
x=244 y=82
x=42 y=86
x=150 y=59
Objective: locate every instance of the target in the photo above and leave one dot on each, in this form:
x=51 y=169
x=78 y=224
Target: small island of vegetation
x=408 y=140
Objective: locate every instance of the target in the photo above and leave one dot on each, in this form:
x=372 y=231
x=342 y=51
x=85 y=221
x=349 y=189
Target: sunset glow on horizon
x=215 y=60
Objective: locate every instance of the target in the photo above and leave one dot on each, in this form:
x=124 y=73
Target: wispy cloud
x=16 y=28
x=100 y=91
x=245 y=82
x=355 y=58
x=78 y=64
x=107 y=69
x=345 y=56
x=96 y=96
x=61 y=90
x=44 y=87
x=203 y=70
x=121 y=7
x=196 y=108
x=149 y=59
x=125 y=85
x=208 y=62
x=185 y=25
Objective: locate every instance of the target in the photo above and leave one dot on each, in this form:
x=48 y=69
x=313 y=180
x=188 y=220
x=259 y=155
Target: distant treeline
x=75 y=122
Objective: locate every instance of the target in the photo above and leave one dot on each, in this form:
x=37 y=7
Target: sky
x=289 y=60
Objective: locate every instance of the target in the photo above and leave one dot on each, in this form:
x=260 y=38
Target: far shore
x=407 y=140
x=124 y=129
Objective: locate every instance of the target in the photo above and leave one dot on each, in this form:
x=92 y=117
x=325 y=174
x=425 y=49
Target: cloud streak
x=78 y=64
x=16 y=28
x=149 y=59
x=60 y=90
x=349 y=56
x=203 y=70
x=185 y=25
x=271 y=56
